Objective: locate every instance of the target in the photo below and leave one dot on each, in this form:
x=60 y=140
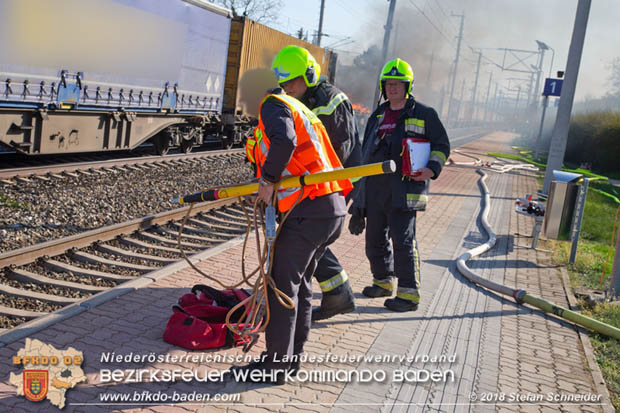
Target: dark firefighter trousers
x=302 y=241
x=400 y=258
x=329 y=272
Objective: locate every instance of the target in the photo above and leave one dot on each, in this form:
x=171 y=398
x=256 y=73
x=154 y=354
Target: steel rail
x=110 y=163
x=59 y=246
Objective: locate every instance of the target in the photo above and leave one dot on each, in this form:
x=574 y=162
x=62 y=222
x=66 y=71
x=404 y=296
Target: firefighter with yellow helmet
x=292 y=141
x=298 y=73
x=386 y=205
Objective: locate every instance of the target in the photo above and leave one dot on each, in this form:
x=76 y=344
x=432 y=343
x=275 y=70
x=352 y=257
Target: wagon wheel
x=160 y=143
x=227 y=143
x=187 y=145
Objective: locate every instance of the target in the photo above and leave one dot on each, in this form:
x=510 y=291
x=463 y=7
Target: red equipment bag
x=198 y=322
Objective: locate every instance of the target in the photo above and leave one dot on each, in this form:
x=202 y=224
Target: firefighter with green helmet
x=298 y=73
x=386 y=205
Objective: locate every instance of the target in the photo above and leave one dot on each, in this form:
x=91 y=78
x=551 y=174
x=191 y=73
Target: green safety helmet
x=294 y=61
x=397 y=69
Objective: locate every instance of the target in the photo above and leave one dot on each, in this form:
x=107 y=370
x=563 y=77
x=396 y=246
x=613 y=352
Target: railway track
x=45 y=278
x=15 y=176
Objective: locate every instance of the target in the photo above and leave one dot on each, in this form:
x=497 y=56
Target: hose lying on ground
x=521 y=296
x=496 y=166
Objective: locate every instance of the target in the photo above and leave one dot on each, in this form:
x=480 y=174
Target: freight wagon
x=98 y=75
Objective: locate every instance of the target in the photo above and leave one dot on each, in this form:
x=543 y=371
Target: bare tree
x=614 y=78
x=262 y=11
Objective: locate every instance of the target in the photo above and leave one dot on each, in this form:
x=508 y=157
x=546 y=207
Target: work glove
x=357 y=223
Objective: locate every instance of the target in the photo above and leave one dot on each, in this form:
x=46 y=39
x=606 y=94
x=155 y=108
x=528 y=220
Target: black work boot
x=338 y=301
x=375 y=291
x=400 y=305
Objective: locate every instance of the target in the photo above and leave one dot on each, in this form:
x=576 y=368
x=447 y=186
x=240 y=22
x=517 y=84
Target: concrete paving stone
x=545 y=371
x=591 y=409
x=510 y=374
x=101 y=321
x=168 y=408
x=548 y=409
x=507 y=386
x=529 y=387
x=525 y=408
x=527 y=367
x=484 y=408
x=212 y=408
x=250 y=409
x=311 y=408
x=575 y=379
x=326 y=390
x=570 y=408
x=447 y=400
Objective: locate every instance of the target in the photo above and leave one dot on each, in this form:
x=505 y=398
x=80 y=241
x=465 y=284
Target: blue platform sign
x=553 y=87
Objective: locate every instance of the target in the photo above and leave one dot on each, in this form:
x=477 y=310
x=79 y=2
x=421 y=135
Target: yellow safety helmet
x=397 y=69
x=294 y=61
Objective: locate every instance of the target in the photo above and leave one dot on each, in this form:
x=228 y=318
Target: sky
x=425 y=28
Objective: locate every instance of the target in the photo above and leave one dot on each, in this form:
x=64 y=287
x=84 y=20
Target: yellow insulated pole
x=378 y=168
x=587 y=322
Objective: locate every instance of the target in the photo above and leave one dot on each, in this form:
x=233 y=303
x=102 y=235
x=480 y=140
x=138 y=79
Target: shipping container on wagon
x=251 y=49
x=91 y=75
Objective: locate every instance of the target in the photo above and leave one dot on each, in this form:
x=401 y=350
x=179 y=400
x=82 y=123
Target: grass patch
x=5 y=201
x=589 y=262
x=598 y=218
x=586 y=272
x=607 y=350
x=595 y=246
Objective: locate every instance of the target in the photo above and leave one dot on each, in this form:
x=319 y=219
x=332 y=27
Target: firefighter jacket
x=334 y=109
x=313 y=153
x=418 y=121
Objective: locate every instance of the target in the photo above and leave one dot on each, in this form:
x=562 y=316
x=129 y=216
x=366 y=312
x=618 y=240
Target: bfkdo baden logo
x=48 y=372
x=36 y=383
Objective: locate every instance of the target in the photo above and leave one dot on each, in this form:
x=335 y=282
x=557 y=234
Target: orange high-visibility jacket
x=313 y=154
x=250 y=144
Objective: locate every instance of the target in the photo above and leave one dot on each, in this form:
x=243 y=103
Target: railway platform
x=465 y=349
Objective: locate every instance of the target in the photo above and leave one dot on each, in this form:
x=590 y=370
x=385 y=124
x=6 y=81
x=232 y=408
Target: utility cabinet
x=561 y=205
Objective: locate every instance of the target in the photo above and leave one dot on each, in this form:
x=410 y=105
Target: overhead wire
x=432 y=24
x=448 y=21
x=352 y=11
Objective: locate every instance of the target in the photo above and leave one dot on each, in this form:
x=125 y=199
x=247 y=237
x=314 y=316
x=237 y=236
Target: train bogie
x=63 y=131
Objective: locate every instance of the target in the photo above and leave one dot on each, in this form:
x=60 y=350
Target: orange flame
x=358 y=107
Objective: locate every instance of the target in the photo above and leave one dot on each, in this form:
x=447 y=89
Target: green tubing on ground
x=570 y=315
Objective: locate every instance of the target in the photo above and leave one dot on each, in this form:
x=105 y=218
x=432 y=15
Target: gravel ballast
x=48 y=210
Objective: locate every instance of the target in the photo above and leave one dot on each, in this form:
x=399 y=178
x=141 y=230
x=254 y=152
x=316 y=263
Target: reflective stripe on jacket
x=334 y=109
x=313 y=154
x=416 y=121
x=250 y=145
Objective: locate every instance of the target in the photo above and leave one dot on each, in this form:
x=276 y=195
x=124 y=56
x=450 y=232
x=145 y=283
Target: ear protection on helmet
x=311 y=76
